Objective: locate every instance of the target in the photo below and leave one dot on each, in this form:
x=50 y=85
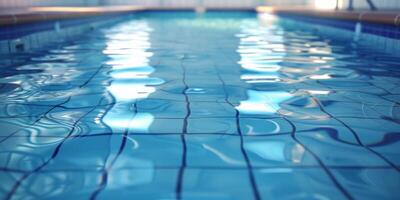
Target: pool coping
x=391 y=18
x=39 y=14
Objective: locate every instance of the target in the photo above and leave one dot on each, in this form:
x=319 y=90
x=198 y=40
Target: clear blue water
x=215 y=107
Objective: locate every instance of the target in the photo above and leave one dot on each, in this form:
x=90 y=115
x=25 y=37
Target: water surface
x=215 y=106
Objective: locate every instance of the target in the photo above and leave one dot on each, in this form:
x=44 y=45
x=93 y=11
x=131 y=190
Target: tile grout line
x=52 y=157
x=57 y=148
x=181 y=172
x=359 y=142
x=323 y=166
x=106 y=169
x=249 y=167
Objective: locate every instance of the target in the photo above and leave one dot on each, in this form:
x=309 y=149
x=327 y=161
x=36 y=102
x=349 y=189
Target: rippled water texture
x=221 y=106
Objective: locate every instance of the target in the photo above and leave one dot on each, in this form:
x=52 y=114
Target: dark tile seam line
x=253 y=183
x=359 y=142
x=319 y=161
x=181 y=172
x=106 y=169
x=53 y=156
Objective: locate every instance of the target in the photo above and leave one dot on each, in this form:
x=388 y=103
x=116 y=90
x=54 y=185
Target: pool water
x=225 y=105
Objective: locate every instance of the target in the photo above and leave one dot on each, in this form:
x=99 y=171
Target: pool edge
x=375 y=17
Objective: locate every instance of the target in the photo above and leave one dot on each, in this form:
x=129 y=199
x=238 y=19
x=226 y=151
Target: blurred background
x=320 y=4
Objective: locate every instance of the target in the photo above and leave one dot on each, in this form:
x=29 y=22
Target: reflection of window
x=325 y=4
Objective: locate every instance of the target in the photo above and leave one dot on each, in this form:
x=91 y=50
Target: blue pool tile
x=314 y=112
x=387 y=151
x=372 y=131
x=11 y=126
x=289 y=183
x=351 y=109
x=141 y=184
x=331 y=127
x=368 y=99
x=42 y=98
x=353 y=86
x=23 y=153
x=174 y=96
x=392 y=97
x=43 y=127
x=139 y=151
x=91 y=124
x=147 y=124
x=55 y=185
x=87 y=100
x=369 y=183
x=8 y=179
x=206 y=93
x=388 y=112
x=277 y=151
x=214 y=125
x=206 y=109
x=214 y=151
x=22 y=110
x=255 y=126
x=7 y=88
x=379 y=135
x=84 y=153
x=66 y=117
x=95 y=153
x=216 y=184
x=323 y=144
x=162 y=108
x=175 y=85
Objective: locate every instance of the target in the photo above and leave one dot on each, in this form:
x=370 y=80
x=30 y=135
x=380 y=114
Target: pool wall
x=24 y=30
x=381 y=30
x=50 y=32
x=380 y=37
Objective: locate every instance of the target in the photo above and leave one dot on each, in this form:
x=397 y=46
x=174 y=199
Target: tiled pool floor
x=223 y=106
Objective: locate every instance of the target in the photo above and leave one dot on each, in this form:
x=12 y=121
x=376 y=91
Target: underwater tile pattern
x=218 y=106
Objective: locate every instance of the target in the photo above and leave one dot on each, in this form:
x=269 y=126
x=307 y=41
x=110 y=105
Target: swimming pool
x=223 y=105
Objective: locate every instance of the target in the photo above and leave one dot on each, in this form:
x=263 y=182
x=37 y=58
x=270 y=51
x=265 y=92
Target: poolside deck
x=36 y=14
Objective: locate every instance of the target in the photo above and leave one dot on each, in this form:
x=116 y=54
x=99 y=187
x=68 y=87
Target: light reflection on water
x=263 y=102
x=129 y=57
x=129 y=54
x=254 y=44
x=266 y=59
x=271 y=56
